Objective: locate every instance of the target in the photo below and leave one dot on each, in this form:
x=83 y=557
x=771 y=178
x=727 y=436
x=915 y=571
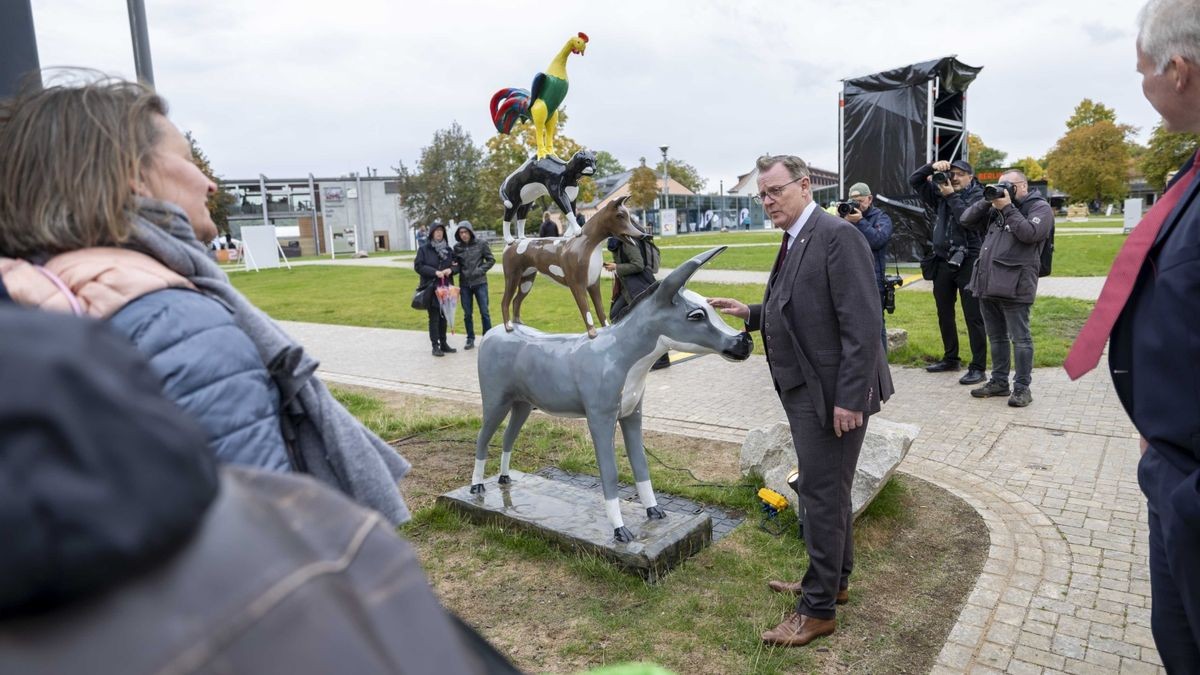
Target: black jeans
x=949 y=284
x=1007 y=326
x=437 y=325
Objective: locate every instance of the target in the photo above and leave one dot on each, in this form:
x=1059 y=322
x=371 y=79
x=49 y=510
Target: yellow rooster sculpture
x=541 y=103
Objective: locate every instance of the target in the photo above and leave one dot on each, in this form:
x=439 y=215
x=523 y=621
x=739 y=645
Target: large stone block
x=575 y=518
x=768 y=452
x=897 y=339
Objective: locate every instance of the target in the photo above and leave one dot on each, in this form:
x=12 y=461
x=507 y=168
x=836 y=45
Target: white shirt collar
x=794 y=230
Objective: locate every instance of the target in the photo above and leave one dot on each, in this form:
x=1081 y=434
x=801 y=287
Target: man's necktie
x=783 y=249
x=1089 y=345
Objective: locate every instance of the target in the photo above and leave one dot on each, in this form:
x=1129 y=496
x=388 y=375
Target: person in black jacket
x=876 y=226
x=955 y=251
x=1016 y=224
x=474 y=258
x=548 y=227
x=435 y=261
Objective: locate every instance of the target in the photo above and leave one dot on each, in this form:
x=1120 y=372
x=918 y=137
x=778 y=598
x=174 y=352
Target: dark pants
x=1007 y=325
x=437 y=325
x=826 y=475
x=950 y=283
x=467 y=296
x=1174 y=561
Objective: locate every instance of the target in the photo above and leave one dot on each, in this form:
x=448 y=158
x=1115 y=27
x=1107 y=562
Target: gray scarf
x=327 y=442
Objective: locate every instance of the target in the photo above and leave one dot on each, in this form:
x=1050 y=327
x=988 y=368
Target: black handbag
x=423 y=297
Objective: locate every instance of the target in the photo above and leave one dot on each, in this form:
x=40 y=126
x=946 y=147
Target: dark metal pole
x=141 y=42
x=18 y=47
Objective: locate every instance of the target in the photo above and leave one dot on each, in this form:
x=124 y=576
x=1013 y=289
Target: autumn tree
x=1165 y=153
x=219 y=202
x=1092 y=160
x=1031 y=167
x=506 y=153
x=983 y=157
x=445 y=183
x=685 y=174
x=643 y=188
x=606 y=164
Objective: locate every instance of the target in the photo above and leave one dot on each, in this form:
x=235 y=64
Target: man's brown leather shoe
x=798 y=630
x=793 y=587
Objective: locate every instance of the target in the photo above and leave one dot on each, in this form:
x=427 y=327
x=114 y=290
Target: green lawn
x=1086 y=255
x=380 y=297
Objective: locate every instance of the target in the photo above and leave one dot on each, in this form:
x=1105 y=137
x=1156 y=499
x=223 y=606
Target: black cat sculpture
x=549 y=176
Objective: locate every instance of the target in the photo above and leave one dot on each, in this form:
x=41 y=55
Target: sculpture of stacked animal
x=541 y=103
x=573 y=262
x=602 y=379
x=550 y=177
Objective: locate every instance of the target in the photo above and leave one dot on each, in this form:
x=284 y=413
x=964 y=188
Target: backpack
x=1047 y=255
x=651 y=256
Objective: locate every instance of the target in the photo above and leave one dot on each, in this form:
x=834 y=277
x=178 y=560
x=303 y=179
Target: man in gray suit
x=820 y=319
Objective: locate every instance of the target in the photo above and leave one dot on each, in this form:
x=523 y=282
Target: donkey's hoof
x=623 y=534
x=655 y=513
x=477 y=489
x=504 y=479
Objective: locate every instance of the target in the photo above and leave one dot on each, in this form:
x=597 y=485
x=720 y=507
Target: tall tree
x=643 y=188
x=982 y=156
x=685 y=174
x=505 y=154
x=606 y=164
x=1165 y=153
x=1032 y=168
x=445 y=183
x=1088 y=112
x=219 y=202
x=1091 y=162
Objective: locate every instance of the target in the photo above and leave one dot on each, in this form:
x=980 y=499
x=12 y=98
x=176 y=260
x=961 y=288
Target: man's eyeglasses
x=774 y=192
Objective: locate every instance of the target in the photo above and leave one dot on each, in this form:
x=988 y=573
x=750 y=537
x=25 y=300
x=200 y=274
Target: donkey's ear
x=678 y=278
x=620 y=202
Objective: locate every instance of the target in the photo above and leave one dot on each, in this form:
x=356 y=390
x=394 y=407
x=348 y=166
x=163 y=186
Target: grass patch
x=379 y=298
x=919 y=550
x=1086 y=255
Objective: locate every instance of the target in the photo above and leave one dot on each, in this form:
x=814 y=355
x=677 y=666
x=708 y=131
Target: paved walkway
x=1065 y=587
x=1084 y=288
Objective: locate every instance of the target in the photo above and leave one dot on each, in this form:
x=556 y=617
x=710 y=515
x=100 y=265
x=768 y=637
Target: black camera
x=993 y=192
x=957 y=255
x=846 y=208
x=941 y=178
x=890 y=283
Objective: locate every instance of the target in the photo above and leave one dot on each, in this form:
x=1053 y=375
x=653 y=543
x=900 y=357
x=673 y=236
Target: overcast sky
x=288 y=88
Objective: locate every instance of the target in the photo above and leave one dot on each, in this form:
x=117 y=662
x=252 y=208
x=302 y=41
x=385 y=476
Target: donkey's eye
x=696 y=314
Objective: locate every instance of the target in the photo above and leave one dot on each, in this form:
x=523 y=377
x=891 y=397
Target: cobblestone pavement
x=1065 y=587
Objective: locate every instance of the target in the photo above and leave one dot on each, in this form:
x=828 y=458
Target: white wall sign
x=1133 y=213
x=668 y=223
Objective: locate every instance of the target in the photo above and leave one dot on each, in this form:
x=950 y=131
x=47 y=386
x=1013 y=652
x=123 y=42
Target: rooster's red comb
x=583 y=36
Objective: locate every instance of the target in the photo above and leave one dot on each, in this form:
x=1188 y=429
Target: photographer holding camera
x=876 y=226
x=949 y=188
x=1016 y=223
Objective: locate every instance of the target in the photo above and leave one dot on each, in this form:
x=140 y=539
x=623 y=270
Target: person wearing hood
x=474 y=258
x=435 y=262
x=1016 y=223
x=104 y=214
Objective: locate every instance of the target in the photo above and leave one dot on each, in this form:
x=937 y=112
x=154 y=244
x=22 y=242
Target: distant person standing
x=876 y=226
x=474 y=258
x=1149 y=307
x=549 y=228
x=1016 y=223
x=435 y=262
x=633 y=275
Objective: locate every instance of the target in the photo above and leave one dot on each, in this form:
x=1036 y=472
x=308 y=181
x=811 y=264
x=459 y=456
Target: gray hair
x=795 y=166
x=1168 y=28
x=1021 y=178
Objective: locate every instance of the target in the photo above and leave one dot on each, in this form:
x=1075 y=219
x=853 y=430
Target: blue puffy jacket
x=212 y=370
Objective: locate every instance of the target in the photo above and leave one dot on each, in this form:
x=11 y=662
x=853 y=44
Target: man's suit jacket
x=827 y=300
x=1154 y=356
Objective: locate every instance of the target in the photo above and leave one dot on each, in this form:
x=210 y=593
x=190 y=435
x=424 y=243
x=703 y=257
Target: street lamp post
x=665 y=187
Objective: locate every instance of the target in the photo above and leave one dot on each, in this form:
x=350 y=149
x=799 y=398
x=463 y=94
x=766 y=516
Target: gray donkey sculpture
x=602 y=379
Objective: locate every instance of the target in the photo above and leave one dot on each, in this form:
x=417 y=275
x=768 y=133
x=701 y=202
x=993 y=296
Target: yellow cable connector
x=772 y=499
